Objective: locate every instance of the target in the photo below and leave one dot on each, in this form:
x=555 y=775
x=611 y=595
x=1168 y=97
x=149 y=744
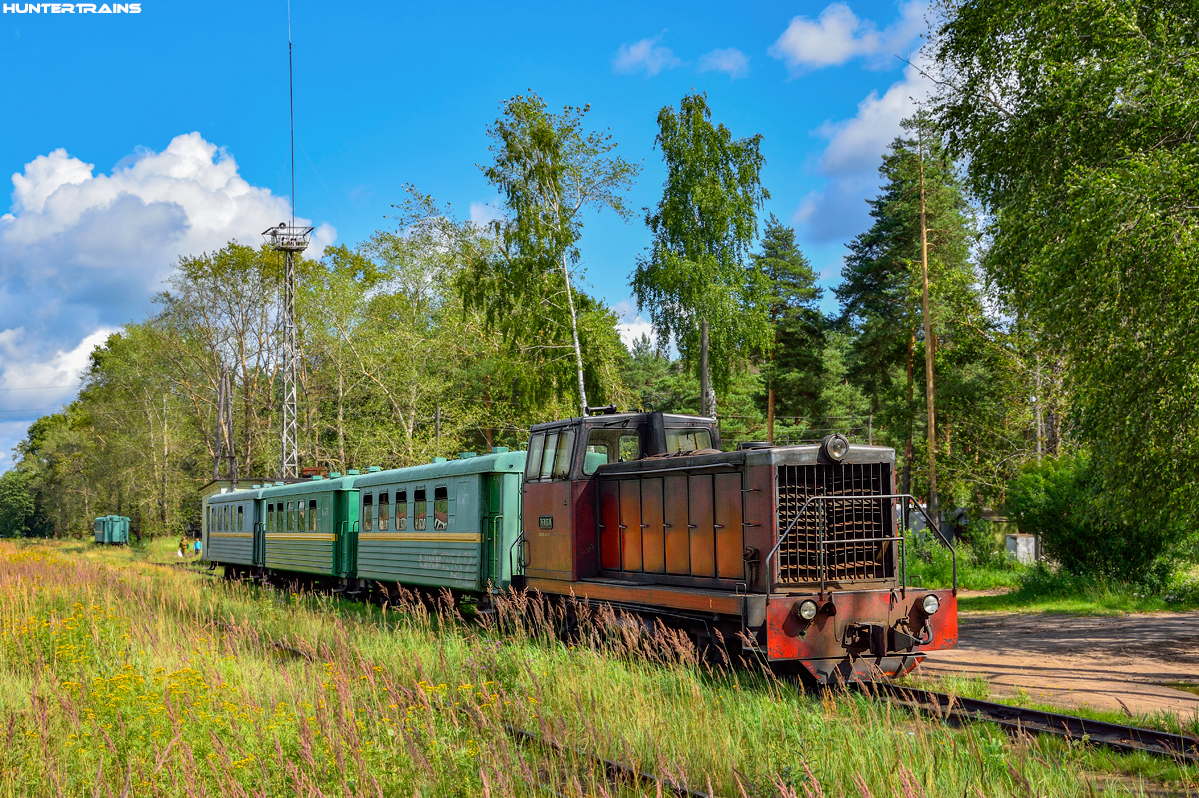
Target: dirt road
x=1103 y=662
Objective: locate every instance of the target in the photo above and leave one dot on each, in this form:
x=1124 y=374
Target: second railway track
x=1035 y=721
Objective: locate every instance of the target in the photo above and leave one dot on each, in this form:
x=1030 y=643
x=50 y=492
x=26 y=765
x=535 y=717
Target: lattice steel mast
x=224 y=450
x=290 y=240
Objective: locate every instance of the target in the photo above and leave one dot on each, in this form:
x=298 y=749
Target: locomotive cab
x=792 y=553
x=559 y=494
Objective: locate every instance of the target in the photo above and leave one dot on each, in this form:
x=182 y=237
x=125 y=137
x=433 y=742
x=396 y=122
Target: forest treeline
x=1033 y=239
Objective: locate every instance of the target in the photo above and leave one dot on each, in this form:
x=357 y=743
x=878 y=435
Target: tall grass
x=123 y=679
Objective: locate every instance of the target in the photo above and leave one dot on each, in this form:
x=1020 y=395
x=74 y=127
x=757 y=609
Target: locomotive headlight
x=930 y=604
x=807 y=609
x=836 y=447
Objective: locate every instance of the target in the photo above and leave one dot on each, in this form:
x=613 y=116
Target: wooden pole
x=929 y=392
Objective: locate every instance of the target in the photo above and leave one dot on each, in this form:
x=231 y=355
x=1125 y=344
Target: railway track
x=1035 y=721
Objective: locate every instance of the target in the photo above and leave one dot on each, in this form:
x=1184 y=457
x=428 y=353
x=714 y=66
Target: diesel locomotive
x=790 y=554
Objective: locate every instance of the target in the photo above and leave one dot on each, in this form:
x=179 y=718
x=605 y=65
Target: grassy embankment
x=122 y=678
x=1019 y=588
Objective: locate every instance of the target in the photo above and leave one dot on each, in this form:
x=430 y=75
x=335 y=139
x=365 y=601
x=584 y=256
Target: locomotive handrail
x=511 y=568
x=902 y=539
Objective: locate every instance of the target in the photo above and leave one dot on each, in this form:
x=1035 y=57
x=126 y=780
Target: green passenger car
x=310 y=527
x=112 y=529
x=446 y=524
x=232 y=528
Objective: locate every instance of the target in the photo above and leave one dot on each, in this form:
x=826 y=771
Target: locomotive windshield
x=611 y=446
x=687 y=440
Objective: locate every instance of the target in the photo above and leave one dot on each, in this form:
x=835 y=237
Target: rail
x=1036 y=721
x=901 y=538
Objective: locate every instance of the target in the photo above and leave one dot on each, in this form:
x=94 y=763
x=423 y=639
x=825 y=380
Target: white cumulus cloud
x=730 y=61
x=646 y=56
x=838 y=36
x=82 y=253
x=853 y=154
x=631 y=325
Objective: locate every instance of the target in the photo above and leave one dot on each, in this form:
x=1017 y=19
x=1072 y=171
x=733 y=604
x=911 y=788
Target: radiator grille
x=850 y=528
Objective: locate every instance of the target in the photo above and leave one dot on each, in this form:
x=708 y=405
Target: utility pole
x=290 y=240
x=929 y=341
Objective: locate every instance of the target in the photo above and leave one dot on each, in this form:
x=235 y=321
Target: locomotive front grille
x=836 y=540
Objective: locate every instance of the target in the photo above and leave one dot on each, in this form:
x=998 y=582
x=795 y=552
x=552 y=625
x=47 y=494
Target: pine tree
x=793 y=368
x=882 y=281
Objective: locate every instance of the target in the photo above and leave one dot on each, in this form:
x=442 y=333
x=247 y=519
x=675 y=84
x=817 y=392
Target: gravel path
x=1065 y=660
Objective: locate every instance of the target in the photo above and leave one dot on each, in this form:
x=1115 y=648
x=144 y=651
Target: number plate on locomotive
x=545 y=522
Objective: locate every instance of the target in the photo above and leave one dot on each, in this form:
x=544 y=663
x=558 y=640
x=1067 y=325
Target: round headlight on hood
x=835 y=447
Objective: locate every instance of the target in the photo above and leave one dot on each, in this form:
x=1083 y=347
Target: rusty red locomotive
x=795 y=554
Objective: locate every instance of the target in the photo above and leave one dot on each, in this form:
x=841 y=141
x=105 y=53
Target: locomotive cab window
x=312 y=515
x=441 y=510
x=384 y=511
x=401 y=510
x=533 y=459
x=420 y=510
x=556 y=455
x=610 y=446
x=687 y=440
x=368 y=512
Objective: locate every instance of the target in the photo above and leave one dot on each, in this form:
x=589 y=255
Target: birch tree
x=550 y=170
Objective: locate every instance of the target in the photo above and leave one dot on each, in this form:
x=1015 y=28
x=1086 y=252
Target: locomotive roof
x=804 y=454
x=673 y=420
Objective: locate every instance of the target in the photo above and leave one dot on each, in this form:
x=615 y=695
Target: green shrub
x=1060 y=500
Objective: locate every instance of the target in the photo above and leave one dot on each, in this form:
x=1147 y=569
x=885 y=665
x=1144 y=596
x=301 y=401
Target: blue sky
x=133 y=139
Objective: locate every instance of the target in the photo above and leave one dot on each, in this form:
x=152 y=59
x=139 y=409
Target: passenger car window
x=401 y=510
x=301 y=524
x=533 y=457
x=420 y=510
x=687 y=440
x=291 y=517
x=312 y=515
x=240 y=518
x=368 y=512
x=384 y=511
x=441 y=510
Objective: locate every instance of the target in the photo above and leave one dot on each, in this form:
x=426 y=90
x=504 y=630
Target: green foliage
x=703 y=228
x=551 y=173
x=1079 y=126
x=1044 y=588
x=793 y=366
x=1062 y=499
x=18 y=508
